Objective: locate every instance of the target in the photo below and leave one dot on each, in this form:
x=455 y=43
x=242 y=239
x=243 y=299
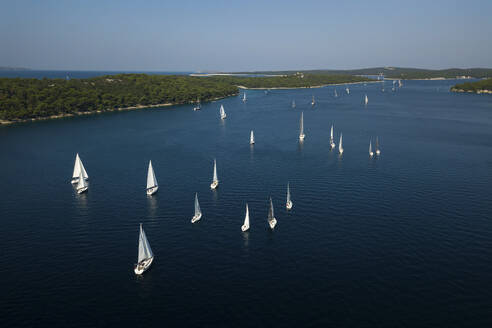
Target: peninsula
x=23 y=99
x=482 y=86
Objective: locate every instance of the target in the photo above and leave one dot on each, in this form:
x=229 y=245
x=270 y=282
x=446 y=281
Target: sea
x=403 y=239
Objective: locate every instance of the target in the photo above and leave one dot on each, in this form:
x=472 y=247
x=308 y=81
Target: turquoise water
x=403 y=240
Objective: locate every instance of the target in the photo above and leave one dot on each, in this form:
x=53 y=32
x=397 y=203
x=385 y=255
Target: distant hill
x=397 y=72
x=6 y=68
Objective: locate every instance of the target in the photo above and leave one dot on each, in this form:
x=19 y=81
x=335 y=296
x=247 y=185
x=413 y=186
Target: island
x=27 y=99
x=482 y=86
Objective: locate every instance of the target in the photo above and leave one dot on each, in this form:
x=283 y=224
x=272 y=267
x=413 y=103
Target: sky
x=244 y=35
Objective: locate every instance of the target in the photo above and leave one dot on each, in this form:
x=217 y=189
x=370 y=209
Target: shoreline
x=120 y=109
x=478 y=92
x=311 y=87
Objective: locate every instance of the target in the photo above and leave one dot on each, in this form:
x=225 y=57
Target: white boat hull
x=332 y=145
x=223 y=117
x=143 y=266
x=214 y=185
x=289 y=205
x=378 y=152
x=371 y=154
x=152 y=191
x=196 y=218
x=302 y=136
x=245 y=228
x=82 y=190
x=272 y=223
x=340 y=151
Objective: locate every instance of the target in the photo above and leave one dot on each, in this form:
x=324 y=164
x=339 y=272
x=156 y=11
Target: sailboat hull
x=272 y=223
x=152 y=191
x=332 y=145
x=143 y=266
x=76 y=180
x=378 y=152
x=245 y=228
x=214 y=185
x=289 y=205
x=302 y=136
x=82 y=190
x=196 y=218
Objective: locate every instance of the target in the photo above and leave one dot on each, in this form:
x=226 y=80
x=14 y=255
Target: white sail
x=312 y=102
x=340 y=148
x=198 y=211
x=288 y=193
x=251 y=138
x=293 y=104
x=246 y=220
x=151 y=180
x=222 y=112
x=81 y=184
x=78 y=168
x=301 y=127
x=271 y=215
x=331 y=134
x=144 y=250
x=366 y=100
x=244 y=96
x=370 y=148
x=378 y=151
x=336 y=94
x=215 y=179
x=347 y=90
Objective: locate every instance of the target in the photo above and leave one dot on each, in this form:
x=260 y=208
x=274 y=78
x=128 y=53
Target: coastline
x=65 y=115
x=311 y=87
x=478 y=92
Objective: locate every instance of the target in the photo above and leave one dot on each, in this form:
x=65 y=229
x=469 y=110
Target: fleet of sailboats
x=272 y=221
x=198 y=211
x=215 y=180
x=288 y=204
x=222 y=112
x=301 y=128
x=152 y=185
x=145 y=255
x=245 y=226
x=78 y=170
x=251 y=138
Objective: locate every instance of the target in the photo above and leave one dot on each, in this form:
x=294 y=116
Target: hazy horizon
x=253 y=36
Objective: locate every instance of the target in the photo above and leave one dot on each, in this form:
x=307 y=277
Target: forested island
x=28 y=99
x=482 y=86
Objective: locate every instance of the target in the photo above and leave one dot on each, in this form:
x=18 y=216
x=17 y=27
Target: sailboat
x=288 y=204
x=336 y=94
x=78 y=170
x=293 y=104
x=400 y=84
x=301 y=132
x=371 y=153
x=251 y=138
x=347 y=90
x=145 y=255
x=198 y=211
x=272 y=221
x=340 y=148
x=82 y=184
x=245 y=226
x=366 y=100
x=152 y=185
x=378 y=151
x=198 y=106
x=244 y=97
x=222 y=112
x=332 y=141
x=313 y=102
x=215 y=181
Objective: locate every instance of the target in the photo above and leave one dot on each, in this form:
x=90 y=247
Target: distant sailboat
x=244 y=96
x=145 y=255
x=293 y=104
x=78 y=168
x=251 y=138
x=222 y=112
x=313 y=102
x=371 y=153
x=347 y=90
x=378 y=151
x=332 y=141
x=288 y=204
x=198 y=106
x=340 y=147
x=301 y=128
x=245 y=226
x=336 y=94
x=152 y=185
x=198 y=211
x=272 y=221
x=400 y=84
x=366 y=100
x=82 y=184
x=215 y=181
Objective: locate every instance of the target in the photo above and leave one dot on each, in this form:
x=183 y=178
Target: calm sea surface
x=403 y=240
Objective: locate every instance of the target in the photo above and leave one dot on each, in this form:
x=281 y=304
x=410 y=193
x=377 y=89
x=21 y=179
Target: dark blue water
x=39 y=74
x=403 y=240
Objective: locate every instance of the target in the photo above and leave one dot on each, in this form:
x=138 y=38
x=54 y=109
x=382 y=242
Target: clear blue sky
x=244 y=35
